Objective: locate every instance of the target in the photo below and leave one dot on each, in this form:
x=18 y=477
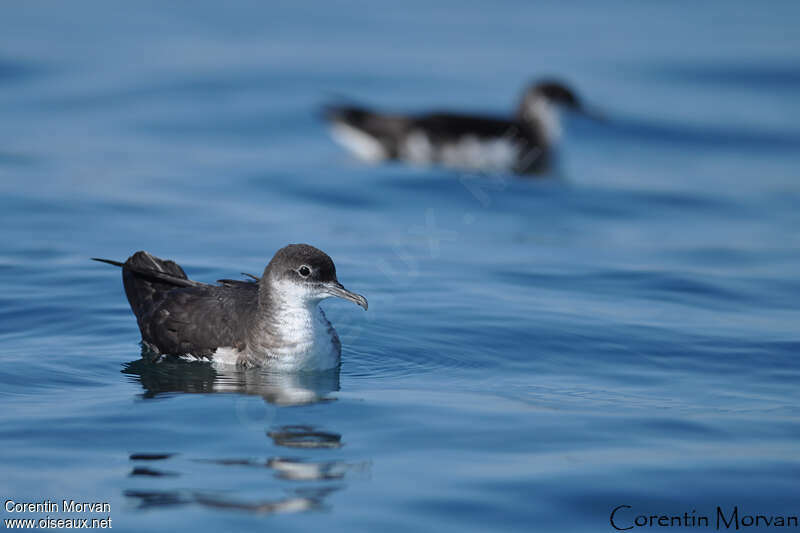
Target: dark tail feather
x=169 y=272
x=349 y=114
x=370 y=121
x=109 y=261
x=147 y=279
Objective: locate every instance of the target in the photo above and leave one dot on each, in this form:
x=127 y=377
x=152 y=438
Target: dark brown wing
x=452 y=126
x=198 y=320
x=179 y=316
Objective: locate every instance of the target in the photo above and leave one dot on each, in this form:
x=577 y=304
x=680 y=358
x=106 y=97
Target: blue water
x=536 y=352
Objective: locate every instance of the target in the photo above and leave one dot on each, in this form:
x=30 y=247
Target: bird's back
x=447 y=126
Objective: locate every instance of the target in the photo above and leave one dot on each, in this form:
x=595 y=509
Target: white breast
x=295 y=336
x=307 y=345
x=310 y=343
x=547 y=116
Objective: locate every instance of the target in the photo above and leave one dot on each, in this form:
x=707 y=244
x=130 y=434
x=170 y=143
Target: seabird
x=522 y=144
x=273 y=321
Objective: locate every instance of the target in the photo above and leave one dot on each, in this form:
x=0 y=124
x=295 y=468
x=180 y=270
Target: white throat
x=296 y=335
x=545 y=113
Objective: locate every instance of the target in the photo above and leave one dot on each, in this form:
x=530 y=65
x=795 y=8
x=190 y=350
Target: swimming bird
x=273 y=321
x=522 y=143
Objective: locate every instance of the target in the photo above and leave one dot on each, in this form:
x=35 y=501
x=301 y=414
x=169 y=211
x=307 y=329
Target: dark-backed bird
x=522 y=143
x=272 y=321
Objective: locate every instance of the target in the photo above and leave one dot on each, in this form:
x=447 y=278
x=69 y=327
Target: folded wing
x=179 y=316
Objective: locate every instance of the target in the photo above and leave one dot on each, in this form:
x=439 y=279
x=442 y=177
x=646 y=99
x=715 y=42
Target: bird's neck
x=286 y=313
x=291 y=329
x=542 y=115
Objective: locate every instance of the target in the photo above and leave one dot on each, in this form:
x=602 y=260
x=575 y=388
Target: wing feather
x=180 y=316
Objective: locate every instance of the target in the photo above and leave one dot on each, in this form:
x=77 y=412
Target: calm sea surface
x=536 y=352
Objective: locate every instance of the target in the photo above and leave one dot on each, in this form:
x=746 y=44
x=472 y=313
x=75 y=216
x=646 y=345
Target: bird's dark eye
x=304 y=271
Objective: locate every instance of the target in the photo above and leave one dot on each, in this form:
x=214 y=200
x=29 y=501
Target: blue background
x=536 y=352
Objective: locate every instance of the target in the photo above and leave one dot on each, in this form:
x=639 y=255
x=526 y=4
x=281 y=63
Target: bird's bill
x=334 y=288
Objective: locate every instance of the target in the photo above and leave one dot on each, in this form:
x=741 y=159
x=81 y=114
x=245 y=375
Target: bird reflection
x=305 y=437
x=299 y=470
x=301 y=500
x=175 y=375
x=296 y=469
x=169 y=376
x=150 y=472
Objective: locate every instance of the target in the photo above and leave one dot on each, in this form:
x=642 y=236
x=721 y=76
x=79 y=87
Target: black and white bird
x=522 y=143
x=273 y=321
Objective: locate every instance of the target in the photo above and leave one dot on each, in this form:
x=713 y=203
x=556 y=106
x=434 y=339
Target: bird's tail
x=146 y=278
x=350 y=114
x=369 y=134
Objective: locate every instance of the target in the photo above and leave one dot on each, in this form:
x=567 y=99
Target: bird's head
x=543 y=94
x=301 y=275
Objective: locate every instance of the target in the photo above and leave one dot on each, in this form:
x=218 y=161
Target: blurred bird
x=522 y=143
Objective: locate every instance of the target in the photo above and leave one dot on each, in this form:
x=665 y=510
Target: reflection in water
x=164 y=498
x=301 y=500
x=150 y=456
x=175 y=375
x=159 y=379
x=299 y=470
x=296 y=469
x=305 y=437
x=150 y=472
